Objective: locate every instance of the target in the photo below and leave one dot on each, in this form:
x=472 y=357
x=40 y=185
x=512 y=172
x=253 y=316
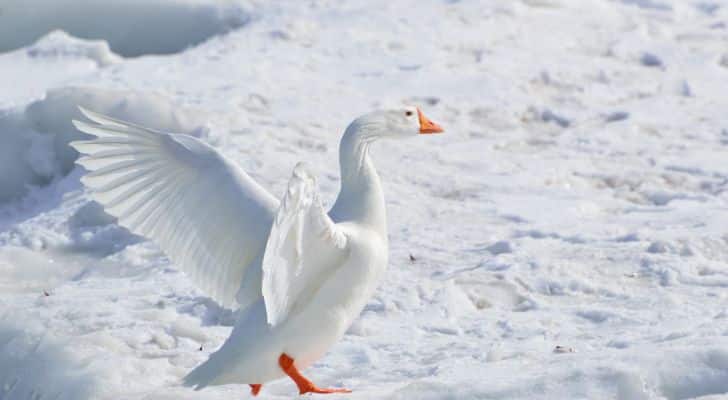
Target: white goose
x=300 y=275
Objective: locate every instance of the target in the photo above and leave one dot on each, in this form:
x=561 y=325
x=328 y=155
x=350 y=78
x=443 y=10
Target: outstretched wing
x=304 y=248
x=204 y=212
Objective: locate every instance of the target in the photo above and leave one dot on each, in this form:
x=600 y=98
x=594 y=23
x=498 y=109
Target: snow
x=131 y=27
x=59 y=44
x=36 y=137
x=577 y=199
x=34 y=365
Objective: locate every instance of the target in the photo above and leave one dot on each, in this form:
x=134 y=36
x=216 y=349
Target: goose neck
x=360 y=199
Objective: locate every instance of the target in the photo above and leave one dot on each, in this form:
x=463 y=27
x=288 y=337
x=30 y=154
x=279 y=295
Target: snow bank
x=35 y=139
x=59 y=44
x=25 y=271
x=36 y=367
x=655 y=373
x=132 y=27
x=694 y=373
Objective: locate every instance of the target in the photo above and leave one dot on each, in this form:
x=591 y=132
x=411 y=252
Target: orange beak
x=427 y=126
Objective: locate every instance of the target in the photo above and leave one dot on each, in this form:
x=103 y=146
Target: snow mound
x=35 y=367
x=35 y=139
x=692 y=374
x=131 y=27
x=59 y=44
x=25 y=271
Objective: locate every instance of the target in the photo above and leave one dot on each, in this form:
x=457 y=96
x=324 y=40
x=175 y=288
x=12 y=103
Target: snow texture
x=577 y=199
x=131 y=27
x=36 y=137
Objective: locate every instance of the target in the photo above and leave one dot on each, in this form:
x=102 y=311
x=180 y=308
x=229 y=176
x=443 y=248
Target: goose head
x=394 y=123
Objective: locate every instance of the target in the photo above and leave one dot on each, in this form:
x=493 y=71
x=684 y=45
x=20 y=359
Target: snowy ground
x=579 y=197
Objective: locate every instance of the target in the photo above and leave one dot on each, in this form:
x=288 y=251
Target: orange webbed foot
x=255 y=388
x=304 y=385
x=315 y=389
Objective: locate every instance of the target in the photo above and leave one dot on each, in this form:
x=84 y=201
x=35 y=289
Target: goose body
x=252 y=351
x=299 y=275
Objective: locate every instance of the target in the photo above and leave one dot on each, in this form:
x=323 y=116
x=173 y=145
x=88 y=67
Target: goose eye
x=408 y=113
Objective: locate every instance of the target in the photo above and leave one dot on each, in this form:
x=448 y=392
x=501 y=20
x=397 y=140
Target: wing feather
x=204 y=212
x=304 y=248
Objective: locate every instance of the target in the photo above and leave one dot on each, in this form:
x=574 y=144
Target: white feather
x=318 y=269
x=302 y=278
x=206 y=213
x=303 y=246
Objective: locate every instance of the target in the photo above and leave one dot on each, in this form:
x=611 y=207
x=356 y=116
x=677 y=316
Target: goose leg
x=304 y=385
x=255 y=388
